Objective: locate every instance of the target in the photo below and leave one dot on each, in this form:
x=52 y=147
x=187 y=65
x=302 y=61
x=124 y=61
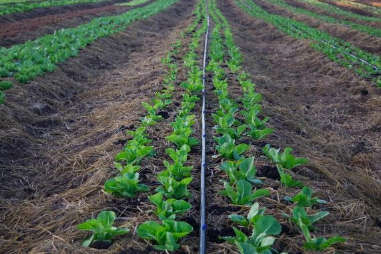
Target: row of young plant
x=240 y=170
x=24 y=62
x=362 y=28
x=127 y=162
x=171 y=197
x=367 y=65
x=10 y=8
x=361 y=6
x=336 y=10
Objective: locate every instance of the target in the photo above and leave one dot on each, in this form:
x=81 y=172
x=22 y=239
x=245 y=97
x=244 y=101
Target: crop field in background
x=190 y=126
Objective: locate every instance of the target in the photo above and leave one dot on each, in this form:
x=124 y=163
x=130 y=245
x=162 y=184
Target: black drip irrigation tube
x=203 y=225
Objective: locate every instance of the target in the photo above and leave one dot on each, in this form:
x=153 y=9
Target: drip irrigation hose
x=203 y=226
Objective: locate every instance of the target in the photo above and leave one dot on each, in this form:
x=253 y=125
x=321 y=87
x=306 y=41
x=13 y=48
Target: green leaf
x=107 y=218
x=267 y=225
x=245 y=248
x=261 y=193
x=150 y=230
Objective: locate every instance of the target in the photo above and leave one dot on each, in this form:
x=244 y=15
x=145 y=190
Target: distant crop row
x=362 y=28
x=372 y=9
x=30 y=5
x=336 y=10
x=24 y=62
x=241 y=170
x=365 y=64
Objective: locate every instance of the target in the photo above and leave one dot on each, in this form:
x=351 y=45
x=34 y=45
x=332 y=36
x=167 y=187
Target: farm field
x=190 y=126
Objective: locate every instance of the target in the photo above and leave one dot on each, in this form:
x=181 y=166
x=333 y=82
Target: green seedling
x=166 y=234
x=243 y=168
x=227 y=148
x=301 y=218
x=261 y=239
x=133 y=154
x=305 y=199
x=102 y=228
x=168 y=209
x=225 y=125
x=286 y=159
x=126 y=186
x=242 y=193
x=174 y=189
x=254 y=214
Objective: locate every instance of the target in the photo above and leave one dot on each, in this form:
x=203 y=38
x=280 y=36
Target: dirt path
x=328 y=115
x=60 y=133
x=361 y=40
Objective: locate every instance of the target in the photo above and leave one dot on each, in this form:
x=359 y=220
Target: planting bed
x=112 y=130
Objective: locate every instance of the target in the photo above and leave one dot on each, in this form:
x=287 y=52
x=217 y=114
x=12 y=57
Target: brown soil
x=327 y=114
x=361 y=40
x=59 y=135
x=316 y=9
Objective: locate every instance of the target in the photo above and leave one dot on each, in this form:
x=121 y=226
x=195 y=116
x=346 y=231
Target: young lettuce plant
x=305 y=199
x=182 y=131
x=286 y=160
x=126 y=185
x=174 y=189
x=166 y=234
x=227 y=148
x=261 y=239
x=102 y=228
x=134 y=153
x=129 y=168
x=287 y=180
x=168 y=209
x=254 y=214
x=243 y=168
x=176 y=170
x=301 y=218
x=225 y=125
x=243 y=193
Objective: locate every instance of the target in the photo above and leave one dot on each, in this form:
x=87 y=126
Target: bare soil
x=60 y=133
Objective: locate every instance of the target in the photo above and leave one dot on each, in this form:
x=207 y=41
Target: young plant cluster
x=172 y=195
x=241 y=170
x=365 y=64
x=126 y=183
x=24 y=62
